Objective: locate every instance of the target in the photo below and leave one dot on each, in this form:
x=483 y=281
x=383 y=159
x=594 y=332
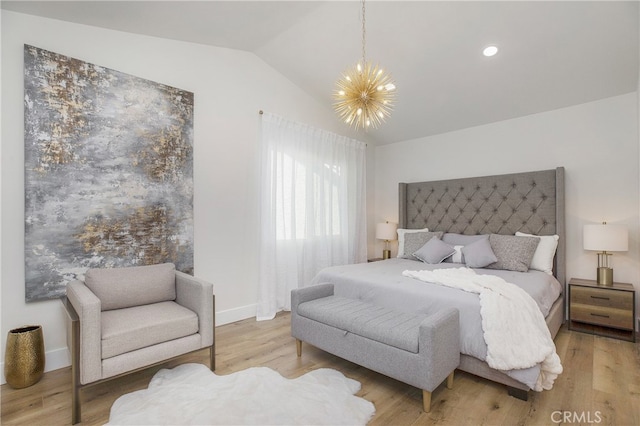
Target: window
x=307 y=201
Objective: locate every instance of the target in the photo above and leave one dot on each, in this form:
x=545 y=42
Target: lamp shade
x=606 y=237
x=386 y=231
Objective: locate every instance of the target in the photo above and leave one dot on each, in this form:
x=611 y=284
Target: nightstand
x=603 y=310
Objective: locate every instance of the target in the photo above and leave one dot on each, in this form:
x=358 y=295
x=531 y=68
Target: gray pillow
x=513 y=253
x=461 y=240
x=413 y=241
x=434 y=251
x=479 y=253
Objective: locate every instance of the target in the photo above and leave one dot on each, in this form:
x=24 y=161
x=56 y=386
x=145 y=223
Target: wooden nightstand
x=603 y=310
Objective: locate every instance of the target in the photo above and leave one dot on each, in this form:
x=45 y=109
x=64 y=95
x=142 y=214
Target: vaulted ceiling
x=551 y=55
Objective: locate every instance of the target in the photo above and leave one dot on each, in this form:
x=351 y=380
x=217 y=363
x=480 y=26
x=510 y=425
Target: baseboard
x=235 y=314
x=54 y=359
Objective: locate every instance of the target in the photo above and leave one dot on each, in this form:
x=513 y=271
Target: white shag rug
x=191 y=394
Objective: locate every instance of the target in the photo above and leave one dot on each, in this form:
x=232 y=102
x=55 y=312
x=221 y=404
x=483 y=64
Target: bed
x=530 y=202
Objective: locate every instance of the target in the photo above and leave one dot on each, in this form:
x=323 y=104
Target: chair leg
x=299 y=347
x=75 y=405
x=212 y=361
x=76 y=414
x=450 y=381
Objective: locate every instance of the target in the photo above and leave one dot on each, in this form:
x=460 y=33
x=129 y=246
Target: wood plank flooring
x=600 y=384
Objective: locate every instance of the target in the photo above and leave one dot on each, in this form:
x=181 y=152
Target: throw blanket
x=514 y=329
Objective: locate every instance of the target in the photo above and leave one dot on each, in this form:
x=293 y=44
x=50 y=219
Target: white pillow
x=457 y=257
x=401 y=233
x=543 y=257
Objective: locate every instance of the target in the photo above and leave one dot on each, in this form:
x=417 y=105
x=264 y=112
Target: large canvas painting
x=108 y=172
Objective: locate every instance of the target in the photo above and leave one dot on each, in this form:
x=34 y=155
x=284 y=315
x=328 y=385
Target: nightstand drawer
x=602 y=315
x=602 y=297
x=603 y=310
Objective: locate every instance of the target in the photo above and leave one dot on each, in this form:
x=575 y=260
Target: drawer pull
x=599 y=315
x=600 y=297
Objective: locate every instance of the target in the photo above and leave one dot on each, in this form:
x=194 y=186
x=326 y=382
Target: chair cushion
x=119 y=288
x=128 y=329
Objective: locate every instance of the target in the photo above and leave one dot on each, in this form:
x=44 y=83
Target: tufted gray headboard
x=531 y=202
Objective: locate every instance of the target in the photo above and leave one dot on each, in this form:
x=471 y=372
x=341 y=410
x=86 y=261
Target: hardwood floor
x=600 y=384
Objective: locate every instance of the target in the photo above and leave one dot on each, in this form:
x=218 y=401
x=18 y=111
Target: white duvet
x=514 y=329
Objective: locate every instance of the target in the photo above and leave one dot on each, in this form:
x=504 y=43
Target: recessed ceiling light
x=490 y=51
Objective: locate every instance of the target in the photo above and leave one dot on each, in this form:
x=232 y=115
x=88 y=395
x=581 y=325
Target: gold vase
x=24 y=356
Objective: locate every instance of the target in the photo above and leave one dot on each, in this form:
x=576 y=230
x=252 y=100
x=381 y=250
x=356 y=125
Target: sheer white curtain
x=312 y=207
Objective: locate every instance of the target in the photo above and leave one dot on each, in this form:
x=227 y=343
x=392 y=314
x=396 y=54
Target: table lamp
x=605 y=238
x=386 y=231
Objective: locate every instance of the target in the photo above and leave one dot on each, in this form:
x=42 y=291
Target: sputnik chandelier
x=364 y=95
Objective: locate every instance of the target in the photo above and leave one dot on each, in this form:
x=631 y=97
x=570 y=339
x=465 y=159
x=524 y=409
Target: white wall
x=230 y=88
x=597 y=143
x=1 y=209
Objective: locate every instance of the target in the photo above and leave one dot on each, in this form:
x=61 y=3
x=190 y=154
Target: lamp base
x=605 y=276
x=386 y=254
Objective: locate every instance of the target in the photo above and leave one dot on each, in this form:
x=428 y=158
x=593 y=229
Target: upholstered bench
x=418 y=349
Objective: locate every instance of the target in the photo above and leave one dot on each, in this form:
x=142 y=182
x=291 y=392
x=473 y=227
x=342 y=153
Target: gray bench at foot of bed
x=420 y=350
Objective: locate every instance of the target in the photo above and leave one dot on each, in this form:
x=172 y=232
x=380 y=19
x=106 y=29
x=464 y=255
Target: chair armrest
x=197 y=295
x=87 y=308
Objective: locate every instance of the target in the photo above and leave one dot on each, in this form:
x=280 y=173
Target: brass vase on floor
x=24 y=356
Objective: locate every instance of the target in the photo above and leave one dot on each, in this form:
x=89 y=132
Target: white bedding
x=382 y=283
x=514 y=329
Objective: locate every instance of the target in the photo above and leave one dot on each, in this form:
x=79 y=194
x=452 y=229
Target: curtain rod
x=261 y=112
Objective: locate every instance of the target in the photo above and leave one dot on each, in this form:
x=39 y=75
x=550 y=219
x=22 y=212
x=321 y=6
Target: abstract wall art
x=108 y=172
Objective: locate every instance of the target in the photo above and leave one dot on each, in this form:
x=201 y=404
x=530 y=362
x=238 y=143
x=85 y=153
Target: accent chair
x=123 y=320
